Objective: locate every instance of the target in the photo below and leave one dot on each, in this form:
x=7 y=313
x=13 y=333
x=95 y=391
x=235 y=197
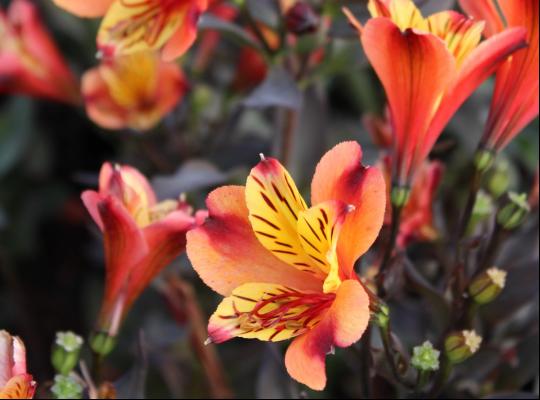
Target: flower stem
x=394 y=230
x=442 y=377
x=287 y=139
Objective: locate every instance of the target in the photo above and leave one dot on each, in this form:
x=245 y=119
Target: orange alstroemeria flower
x=15 y=382
x=515 y=101
x=428 y=67
x=134 y=91
x=141 y=237
x=30 y=62
x=131 y=26
x=286 y=270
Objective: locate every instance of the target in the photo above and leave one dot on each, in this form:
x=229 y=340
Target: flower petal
x=226 y=254
x=6 y=357
x=184 y=36
x=274 y=204
x=19 y=387
x=91 y=199
x=85 y=8
x=341 y=176
x=343 y=325
x=166 y=240
x=484 y=10
x=267 y=312
x=319 y=229
x=415 y=69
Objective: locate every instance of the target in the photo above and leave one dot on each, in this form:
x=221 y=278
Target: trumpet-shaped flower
x=428 y=67
x=141 y=237
x=30 y=62
x=131 y=26
x=286 y=270
x=134 y=91
x=15 y=382
x=515 y=101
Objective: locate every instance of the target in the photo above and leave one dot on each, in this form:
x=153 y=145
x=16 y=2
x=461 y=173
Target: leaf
x=191 y=176
x=229 y=29
x=278 y=89
x=15 y=132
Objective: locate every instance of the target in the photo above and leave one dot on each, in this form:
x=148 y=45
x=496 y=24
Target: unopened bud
x=102 y=344
x=301 y=19
x=382 y=315
x=66 y=387
x=483 y=209
x=459 y=346
x=66 y=352
x=488 y=285
x=425 y=357
x=400 y=196
x=483 y=160
x=514 y=212
x=499 y=177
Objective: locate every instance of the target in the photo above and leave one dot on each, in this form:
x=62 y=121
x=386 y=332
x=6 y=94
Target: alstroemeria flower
x=141 y=237
x=515 y=101
x=134 y=91
x=15 y=382
x=30 y=62
x=131 y=26
x=286 y=270
x=428 y=67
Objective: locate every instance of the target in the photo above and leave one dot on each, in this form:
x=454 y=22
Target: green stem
x=289 y=127
x=383 y=270
x=442 y=378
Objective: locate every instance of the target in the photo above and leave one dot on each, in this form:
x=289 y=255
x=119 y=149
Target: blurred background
x=51 y=259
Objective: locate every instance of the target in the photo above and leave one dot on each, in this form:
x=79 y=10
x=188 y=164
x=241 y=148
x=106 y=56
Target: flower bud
x=483 y=209
x=459 y=346
x=483 y=160
x=66 y=352
x=102 y=343
x=400 y=196
x=514 y=212
x=301 y=19
x=499 y=177
x=425 y=357
x=67 y=387
x=488 y=285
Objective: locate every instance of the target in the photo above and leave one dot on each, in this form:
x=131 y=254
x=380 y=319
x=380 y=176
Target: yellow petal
x=404 y=13
x=267 y=312
x=274 y=204
x=319 y=229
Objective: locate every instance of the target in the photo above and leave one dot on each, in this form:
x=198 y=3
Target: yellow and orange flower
x=286 y=270
x=131 y=26
x=134 y=91
x=30 y=62
x=515 y=101
x=428 y=67
x=141 y=237
x=15 y=382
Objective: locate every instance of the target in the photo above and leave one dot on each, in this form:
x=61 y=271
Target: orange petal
x=125 y=246
x=226 y=254
x=185 y=35
x=85 y=8
x=267 y=312
x=484 y=10
x=343 y=325
x=415 y=70
x=166 y=240
x=274 y=204
x=477 y=67
x=19 y=387
x=341 y=176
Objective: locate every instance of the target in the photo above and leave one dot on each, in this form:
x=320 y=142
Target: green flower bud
x=483 y=160
x=514 y=212
x=487 y=286
x=66 y=352
x=67 y=387
x=382 y=315
x=102 y=344
x=499 y=177
x=483 y=209
x=459 y=346
x=400 y=196
x=425 y=357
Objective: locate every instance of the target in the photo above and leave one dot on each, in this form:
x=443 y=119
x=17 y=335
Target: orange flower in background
x=428 y=67
x=141 y=237
x=15 y=382
x=131 y=26
x=134 y=91
x=30 y=62
x=515 y=101
x=417 y=221
x=286 y=270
